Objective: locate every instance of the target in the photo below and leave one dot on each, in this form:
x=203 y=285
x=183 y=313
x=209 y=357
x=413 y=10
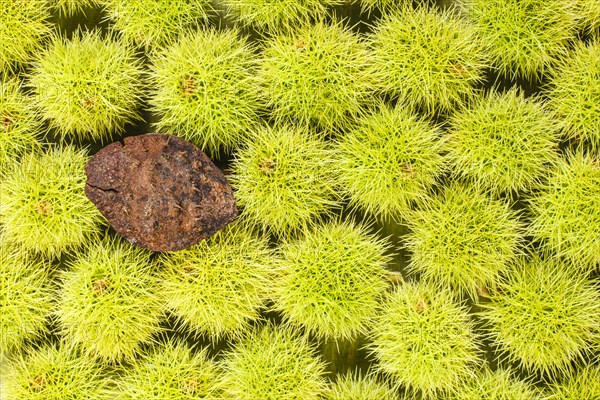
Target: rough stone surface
x=159 y=191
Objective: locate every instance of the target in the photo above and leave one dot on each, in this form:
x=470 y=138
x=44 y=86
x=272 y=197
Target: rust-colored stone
x=159 y=191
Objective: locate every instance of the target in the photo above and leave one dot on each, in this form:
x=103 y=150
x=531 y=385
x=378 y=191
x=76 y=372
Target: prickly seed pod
x=503 y=141
x=171 y=371
x=273 y=363
x=544 y=315
x=566 y=211
x=87 y=87
x=429 y=58
x=388 y=160
x=24 y=27
x=589 y=14
x=574 y=93
x=26 y=300
x=72 y=7
x=338 y=269
x=109 y=300
x=151 y=23
x=354 y=386
x=523 y=37
x=385 y=6
x=218 y=286
x=204 y=89
x=53 y=373
x=424 y=339
x=316 y=74
x=500 y=384
x=20 y=126
x=462 y=239
x=283 y=179
x=580 y=384
x=43 y=207
x=278 y=15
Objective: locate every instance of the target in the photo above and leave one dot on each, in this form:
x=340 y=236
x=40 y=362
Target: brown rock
x=159 y=191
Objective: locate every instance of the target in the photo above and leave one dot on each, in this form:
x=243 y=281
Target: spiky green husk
x=544 y=315
x=332 y=280
x=524 y=37
x=316 y=74
x=574 y=93
x=428 y=58
x=354 y=386
x=24 y=26
x=424 y=340
x=389 y=160
x=53 y=373
x=87 y=87
x=218 y=286
x=43 y=207
x=588 y=12
x=503 y=141
x=462 y=239
x=273 y=363
x=26 y=300
x=566 y=213
x=151 y=23
x=283 y=179
x=109 y=300
x=19 y=125
x=171 y=371
x=385 y=6
x=204 y=89
x=72 y=7
x=496 y=385
x=579 y=385
x=278 y=14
